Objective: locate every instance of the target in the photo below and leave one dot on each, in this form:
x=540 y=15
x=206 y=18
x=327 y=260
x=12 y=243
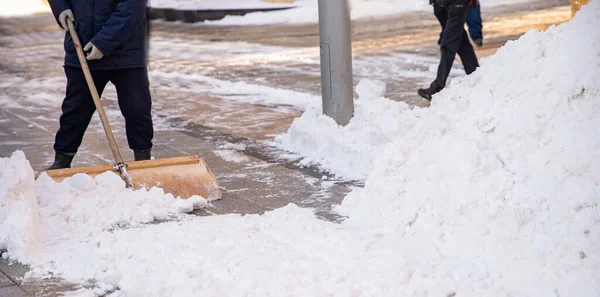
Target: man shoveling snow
x=115 y=36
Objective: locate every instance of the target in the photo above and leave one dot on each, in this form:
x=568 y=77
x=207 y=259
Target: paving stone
x=40 y=288
x=12 y=291
x=232 y=203
x=5 y=281
x=48 y=287
x=14 y=271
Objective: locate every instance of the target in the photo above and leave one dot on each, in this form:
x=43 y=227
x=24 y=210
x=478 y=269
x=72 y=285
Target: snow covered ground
x=305 y=11
x=214 y=4
x=23 y=7
x=492 y=191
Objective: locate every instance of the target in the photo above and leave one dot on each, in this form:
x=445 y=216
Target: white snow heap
x=367 y=89
x=42 y=212
x=19 y=212
x=495 y=187
x=493 y=191
x=349 y=151
x=498 y=185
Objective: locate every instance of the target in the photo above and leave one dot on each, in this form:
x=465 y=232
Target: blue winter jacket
x=116 y=27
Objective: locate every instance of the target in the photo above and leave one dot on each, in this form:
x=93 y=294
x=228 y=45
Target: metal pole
x=336 y=60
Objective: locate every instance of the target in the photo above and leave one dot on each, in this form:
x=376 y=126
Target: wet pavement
x=217 y=93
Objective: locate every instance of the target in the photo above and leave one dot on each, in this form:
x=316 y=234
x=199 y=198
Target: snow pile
x=19 y=212
x=350 y=151
x=42 y=212
x=496 y=190
x=493 y=191
x=286 y=252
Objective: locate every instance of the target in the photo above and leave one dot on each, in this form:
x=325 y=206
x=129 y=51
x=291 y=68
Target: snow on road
x=304 y=11
x=22 y=7
x=492 y=191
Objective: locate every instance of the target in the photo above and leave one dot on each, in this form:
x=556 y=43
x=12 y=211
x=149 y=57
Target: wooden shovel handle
x=90 y=82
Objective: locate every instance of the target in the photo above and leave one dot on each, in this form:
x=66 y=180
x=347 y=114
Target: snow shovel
x=180 y=176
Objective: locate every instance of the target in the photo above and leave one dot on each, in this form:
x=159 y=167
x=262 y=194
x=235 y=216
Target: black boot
x=427 y=93
x=142 y=155
x=62 y=160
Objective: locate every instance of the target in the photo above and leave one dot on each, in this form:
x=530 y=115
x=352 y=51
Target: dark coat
x=116 y=27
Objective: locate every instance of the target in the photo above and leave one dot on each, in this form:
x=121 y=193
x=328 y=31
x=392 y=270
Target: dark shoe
x=142 y=155
x=427 y=93
x=478 y=42
x=62 y=160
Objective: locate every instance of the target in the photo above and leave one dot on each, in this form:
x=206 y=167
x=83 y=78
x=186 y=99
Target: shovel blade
x=181 y=176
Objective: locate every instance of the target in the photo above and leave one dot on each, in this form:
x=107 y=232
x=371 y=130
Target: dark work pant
x=454 y=40
x=474 y=22
x=78 y=107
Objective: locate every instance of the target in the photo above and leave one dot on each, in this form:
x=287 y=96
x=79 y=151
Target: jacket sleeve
x=120 y=26
x=57 y=7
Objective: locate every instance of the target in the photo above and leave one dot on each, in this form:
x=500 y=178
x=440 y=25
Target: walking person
x=452 y=15
x=475 y=24
x=115 y=35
